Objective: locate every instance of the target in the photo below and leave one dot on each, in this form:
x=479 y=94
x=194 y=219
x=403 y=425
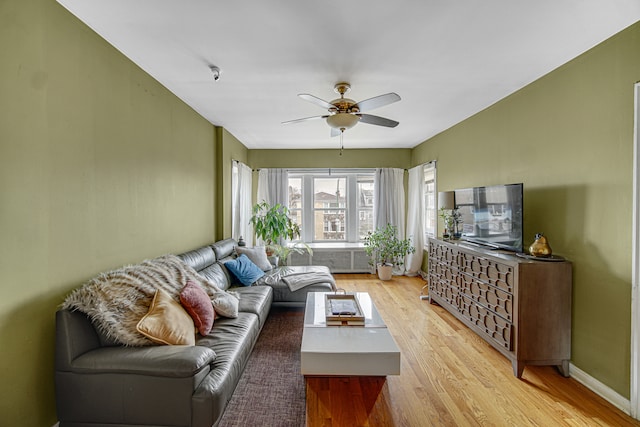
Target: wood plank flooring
x=449 y=376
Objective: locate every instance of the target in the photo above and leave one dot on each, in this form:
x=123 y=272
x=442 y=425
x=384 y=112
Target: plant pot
x=274 y=260
x=385 y=271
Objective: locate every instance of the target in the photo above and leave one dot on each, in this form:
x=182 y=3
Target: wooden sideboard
x=521 y=307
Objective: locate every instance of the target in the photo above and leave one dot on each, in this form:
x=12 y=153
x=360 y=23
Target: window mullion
x=307 y=210
x=352 y=208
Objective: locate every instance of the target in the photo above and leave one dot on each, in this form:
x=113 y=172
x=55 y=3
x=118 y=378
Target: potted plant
x=282 y=251
x=273 y=225
x=451 y=219
x=386 y=249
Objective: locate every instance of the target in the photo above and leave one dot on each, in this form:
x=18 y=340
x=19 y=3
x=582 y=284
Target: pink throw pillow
x=197 y=303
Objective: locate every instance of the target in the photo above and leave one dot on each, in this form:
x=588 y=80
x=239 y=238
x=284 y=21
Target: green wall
x=100 y=166
x=361 y=158
x=569 y=138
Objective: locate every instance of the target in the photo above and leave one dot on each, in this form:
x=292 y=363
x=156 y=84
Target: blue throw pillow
x=245 y=270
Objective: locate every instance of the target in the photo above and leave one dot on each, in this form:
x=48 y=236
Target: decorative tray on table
x=343 y=310
x=550 y=258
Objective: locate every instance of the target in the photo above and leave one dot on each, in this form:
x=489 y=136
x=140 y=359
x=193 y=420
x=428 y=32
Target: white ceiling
x=447 y=59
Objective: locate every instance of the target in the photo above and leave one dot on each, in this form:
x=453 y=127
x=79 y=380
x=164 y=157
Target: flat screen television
x=491 y=216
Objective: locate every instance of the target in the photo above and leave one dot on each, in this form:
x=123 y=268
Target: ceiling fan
x=344 y=113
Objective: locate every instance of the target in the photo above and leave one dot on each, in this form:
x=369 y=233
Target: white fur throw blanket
x=115 y=301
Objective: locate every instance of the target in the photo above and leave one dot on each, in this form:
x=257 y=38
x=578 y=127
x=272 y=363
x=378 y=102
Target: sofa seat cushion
x=282 y=293
x=256 y=300
x=158 y=361
x=232 y=340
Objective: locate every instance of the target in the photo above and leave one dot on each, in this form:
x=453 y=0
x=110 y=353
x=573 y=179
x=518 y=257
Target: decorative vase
x=540 y=247
x=385 y=271
x=274 y=260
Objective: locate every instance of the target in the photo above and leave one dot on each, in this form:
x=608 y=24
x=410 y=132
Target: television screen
x=492 y=216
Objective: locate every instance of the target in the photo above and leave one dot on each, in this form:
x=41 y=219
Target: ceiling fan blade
x=377 y=120
x=304 y=119
x=335 y=132
x=315 y=100
x=377 y=101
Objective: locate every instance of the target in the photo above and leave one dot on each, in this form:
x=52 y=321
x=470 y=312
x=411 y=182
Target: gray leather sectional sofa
x=100 y=383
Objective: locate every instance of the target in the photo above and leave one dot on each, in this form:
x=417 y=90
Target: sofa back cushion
x=224 y=248
x=217 y=274
x=203 y=260
x=199 y=258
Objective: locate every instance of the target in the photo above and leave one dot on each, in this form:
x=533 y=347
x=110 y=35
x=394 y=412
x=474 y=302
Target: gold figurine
x=540 y=247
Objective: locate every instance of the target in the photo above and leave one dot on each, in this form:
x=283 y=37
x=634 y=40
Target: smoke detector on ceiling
x=216 y=72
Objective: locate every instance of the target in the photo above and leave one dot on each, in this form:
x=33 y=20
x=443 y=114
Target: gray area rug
x=271 y=391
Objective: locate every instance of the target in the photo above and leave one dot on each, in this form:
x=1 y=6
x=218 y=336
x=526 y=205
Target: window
x=329 y=208
x=295 y=200
x=365 y=205
x=332 y=207
x=430 y=214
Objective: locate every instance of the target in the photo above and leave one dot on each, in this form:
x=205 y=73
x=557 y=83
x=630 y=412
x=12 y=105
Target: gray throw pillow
x=257 y=255
x=226 y=304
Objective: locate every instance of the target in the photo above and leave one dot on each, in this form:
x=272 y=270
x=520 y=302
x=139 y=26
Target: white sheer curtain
x=241 y=190
x=415 y=230
x=273 y=186
x=388 y=200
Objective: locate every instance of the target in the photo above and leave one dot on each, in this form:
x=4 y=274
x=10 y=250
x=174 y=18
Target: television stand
x=520 y=307
x=474 y=244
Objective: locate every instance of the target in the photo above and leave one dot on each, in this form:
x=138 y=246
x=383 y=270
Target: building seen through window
x=331 y=208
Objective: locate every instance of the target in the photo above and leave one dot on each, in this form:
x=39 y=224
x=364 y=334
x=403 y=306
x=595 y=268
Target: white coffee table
x=347 y=350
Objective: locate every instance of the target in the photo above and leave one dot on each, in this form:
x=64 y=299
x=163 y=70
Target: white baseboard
x=600 y=389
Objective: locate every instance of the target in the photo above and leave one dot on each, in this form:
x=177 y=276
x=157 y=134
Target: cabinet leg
x=518 y=368
x=564 y=368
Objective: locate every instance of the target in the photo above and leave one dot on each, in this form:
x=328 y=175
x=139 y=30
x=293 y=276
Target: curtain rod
x=329 y=170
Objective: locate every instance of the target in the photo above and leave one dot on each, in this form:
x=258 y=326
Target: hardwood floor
x=449 y=376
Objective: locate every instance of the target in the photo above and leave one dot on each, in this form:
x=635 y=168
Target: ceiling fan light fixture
x=342 y=121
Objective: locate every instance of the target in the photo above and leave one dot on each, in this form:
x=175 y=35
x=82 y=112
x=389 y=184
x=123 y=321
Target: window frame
x=351 y=208
x=430 y=213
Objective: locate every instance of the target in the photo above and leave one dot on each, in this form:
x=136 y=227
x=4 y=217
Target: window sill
x=336 y=245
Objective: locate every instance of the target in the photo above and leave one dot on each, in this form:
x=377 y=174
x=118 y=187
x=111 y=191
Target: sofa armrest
x=160 y=361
